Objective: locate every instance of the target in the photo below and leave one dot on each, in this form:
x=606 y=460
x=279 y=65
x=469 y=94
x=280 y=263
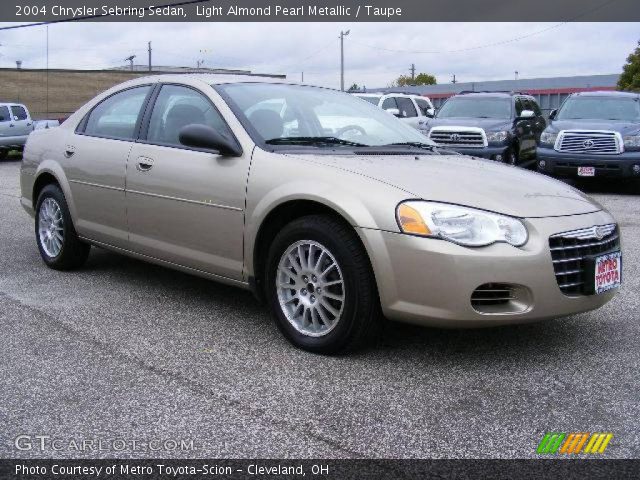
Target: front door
x=186 y=206
x=22 y=124
x=95 y=162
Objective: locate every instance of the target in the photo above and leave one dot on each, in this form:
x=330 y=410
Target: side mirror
x=393 y=111
x=553 y=114
x=430 y=113
x=527 y=114
x=205 y=137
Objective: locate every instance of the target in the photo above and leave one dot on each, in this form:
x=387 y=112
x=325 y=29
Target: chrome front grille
x=570 y=249
x=458 y=137
x=589 y=141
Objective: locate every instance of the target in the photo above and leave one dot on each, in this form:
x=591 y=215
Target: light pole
x=130 y=60
x=342 y=35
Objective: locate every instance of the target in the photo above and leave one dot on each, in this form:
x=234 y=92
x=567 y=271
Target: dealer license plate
x=586 y=171
x=608 y=272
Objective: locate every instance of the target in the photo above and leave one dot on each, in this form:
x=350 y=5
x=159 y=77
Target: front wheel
x=511 y=157
x=320 y=285
x=58 y=242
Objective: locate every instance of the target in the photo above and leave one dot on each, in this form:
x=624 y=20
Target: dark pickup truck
x=593 y=134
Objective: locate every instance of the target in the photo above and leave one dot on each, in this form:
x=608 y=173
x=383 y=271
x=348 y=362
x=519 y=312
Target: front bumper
x=566 y=165
x=430 y=282
x=483 y=152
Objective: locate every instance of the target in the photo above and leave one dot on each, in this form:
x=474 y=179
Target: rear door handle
x=144 y=164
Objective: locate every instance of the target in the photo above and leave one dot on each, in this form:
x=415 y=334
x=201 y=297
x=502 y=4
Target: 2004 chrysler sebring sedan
x=330 y=209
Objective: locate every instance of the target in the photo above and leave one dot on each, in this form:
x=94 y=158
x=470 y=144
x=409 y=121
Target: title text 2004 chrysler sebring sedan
x=327 y=207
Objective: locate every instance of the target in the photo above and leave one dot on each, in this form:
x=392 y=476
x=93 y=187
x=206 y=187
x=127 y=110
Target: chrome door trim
x=186 y=200
x=98 y=185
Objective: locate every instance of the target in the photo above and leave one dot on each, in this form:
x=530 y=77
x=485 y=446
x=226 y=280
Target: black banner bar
x=36 y=11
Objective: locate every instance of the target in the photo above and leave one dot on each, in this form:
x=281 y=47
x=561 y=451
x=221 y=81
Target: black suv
x=593 y=134
x=501 y=126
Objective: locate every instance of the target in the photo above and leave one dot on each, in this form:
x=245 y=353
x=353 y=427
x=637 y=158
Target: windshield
x=600 y=108
x=460 y=107
x=279 y=114
x=370 y=99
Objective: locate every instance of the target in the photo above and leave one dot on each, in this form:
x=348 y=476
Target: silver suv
x=326 y=207
x=15 y=126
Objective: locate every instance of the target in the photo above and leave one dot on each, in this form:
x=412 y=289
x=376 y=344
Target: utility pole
x=413 y=72
x=302 y=77
x=454 y=81
x=149 y=56
x=342 y=35
x=516 y=72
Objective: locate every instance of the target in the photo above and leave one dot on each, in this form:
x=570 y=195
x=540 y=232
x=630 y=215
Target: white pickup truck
x=15 y=126
x=411 y=109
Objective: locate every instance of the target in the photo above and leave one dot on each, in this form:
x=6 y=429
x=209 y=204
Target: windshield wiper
x=424 y=146
x=313 y=141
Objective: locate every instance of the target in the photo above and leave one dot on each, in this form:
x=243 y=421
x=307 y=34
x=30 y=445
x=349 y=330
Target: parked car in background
x=593 y=134
x=411 y=109
x=330 y=228
x=501 y=126
x=15 y=127
x=38 y=124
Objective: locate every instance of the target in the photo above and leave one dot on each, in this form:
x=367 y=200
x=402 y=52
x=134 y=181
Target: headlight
x=548 y=138
x=497 y=136
x=632 y=141
x=461 y=225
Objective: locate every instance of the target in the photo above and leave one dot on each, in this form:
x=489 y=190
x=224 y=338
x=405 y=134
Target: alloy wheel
x=51 y=227
x=310 y=287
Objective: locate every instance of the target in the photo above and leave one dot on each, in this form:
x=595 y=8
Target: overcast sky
x=375 y=54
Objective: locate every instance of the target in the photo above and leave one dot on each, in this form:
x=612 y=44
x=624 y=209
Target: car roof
x=492 y=94
x=607 y=93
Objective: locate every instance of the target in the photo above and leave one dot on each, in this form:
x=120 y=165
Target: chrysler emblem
x=599 y=232
x=455 y=137
x=588 y=144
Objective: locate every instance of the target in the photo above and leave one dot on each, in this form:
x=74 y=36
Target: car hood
x=489 y=124
x=624 y=128
x=469 y=181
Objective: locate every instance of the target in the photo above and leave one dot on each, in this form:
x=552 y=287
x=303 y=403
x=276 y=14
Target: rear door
x=186 y=206
x=22 y=124
x=95 y=162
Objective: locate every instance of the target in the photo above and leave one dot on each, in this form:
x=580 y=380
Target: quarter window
x=117 y=115
x=177 y=107
x=5 y=116
x=405 y=105
x=19 y=112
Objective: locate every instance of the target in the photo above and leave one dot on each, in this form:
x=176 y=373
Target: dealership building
x=549 y=92
x=57 y=93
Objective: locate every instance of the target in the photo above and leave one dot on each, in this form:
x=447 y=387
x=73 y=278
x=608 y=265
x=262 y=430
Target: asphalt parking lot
x=126 y=350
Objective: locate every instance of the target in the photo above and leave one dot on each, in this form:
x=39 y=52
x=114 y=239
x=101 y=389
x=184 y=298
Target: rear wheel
x=58 y=242
x=320 y=286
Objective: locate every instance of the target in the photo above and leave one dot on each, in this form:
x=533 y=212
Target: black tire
x=360 y=312
x=3 y=154
x=73 y=253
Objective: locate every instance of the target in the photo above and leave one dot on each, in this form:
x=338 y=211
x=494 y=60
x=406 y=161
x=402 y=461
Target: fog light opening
x=636 y=169
x=498 y=158
x=542 y=164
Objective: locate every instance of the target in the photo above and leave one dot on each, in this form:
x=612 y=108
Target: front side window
x=5 y=116
x=600 y=108
x=117 y=116
x=19 y=112
x=178 y=106
x=405 y=105
x=479 y=107
x=423 y=105
x=324 y=118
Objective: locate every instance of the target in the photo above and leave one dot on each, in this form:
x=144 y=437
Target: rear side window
x=19 y=112
x=5 y=116
x=389 y=102
x=117 y=116
x=405 y=105
x=177 y=107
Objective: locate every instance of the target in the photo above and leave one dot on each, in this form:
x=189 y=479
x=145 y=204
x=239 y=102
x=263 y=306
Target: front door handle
x=144 y=164
x=69 y=151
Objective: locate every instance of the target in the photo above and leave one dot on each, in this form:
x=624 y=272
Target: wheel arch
x=49 y=172
x=276 y=218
